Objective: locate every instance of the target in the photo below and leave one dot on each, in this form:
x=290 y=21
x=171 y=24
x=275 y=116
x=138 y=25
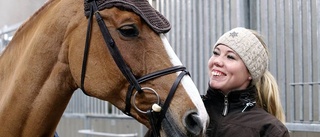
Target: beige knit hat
x=249 y=48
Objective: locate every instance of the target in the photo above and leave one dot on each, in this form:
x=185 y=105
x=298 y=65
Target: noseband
x=158 y=111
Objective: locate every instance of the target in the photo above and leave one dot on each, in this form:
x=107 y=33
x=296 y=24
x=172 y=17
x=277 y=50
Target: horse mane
x=22 y=26
x=9 y=49
x=48 y=2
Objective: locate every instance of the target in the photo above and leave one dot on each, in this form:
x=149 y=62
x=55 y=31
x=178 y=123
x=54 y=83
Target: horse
x=114 y=51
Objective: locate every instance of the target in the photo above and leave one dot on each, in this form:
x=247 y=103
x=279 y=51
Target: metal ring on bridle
x=134 y=97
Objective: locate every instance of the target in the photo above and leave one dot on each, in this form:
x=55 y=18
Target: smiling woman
x=125 y=55
x=242 y=99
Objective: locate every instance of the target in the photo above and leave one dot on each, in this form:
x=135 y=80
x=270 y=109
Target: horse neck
x=35 y=80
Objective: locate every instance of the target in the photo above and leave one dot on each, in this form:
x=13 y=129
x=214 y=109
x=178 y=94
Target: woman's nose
x=217 y=61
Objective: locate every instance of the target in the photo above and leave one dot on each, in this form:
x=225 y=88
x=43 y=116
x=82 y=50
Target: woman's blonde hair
x=268 y=91
x=268 y=96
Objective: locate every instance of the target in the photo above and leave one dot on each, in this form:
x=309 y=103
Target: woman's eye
x=215 y=53
x=230 y=57
x=129 y=31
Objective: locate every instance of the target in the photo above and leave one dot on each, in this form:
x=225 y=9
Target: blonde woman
x=243 y=98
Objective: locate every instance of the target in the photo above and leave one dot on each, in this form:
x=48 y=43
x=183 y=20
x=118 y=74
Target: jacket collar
x=248 y=94
x=237 y=99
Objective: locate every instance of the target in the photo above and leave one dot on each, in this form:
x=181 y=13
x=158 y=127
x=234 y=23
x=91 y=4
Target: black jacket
x=237 y=115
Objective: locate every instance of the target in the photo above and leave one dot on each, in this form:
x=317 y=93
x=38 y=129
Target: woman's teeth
x=216 y=73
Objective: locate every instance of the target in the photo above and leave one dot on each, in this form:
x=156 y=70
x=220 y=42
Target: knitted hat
x=141 y=7
x=249 y=48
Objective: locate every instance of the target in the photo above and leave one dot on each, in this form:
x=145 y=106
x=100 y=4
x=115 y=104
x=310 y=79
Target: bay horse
x=113 y=50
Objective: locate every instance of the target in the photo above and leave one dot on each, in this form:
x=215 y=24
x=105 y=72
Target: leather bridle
x=155 y=115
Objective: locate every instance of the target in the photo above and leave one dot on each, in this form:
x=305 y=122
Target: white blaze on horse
x=113 y=50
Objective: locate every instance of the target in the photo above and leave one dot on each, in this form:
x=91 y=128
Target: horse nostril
x=193 y=124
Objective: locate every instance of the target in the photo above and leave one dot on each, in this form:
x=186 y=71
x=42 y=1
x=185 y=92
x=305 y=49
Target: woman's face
x=227 y=70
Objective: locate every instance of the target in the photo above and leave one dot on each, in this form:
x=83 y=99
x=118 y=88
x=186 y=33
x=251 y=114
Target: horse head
x=118 y=53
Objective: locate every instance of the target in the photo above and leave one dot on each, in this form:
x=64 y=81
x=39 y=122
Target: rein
x=158 y=111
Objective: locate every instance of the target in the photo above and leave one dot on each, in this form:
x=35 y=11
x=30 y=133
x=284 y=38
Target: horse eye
x=129 y=31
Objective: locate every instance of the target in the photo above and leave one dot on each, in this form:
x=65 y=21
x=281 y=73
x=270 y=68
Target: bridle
x=158 y=111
